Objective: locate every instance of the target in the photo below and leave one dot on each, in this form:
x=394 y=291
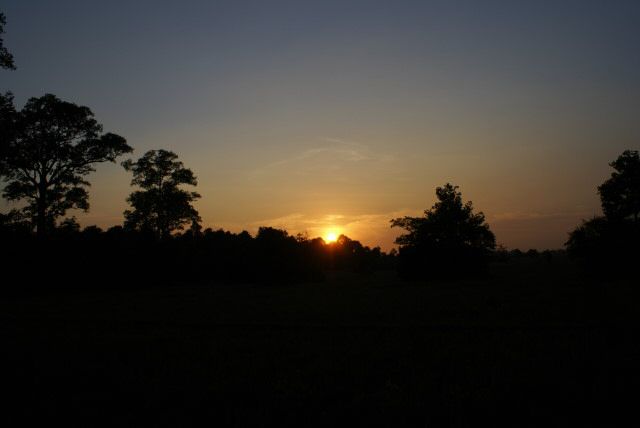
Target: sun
x=331 y=236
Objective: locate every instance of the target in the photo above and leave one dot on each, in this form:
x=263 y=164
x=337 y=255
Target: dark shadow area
x=531 y=346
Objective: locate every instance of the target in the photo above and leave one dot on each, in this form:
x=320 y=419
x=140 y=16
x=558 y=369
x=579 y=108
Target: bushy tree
x=162 y=207
x=620 y=194
x=610 y=244
x=46 y=151
x=449 y=240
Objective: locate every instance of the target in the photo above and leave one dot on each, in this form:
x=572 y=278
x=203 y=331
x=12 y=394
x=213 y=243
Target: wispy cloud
x=340 y=151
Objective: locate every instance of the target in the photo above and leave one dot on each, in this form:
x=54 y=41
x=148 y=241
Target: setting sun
x=331 y=236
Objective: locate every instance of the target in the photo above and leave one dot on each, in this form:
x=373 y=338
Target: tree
x=450 y=239
x=609 y=244
x=161 y=207
x=46 y=150
x=6 y=59
x=8 y=119
x=620 y=194
x=6 y=100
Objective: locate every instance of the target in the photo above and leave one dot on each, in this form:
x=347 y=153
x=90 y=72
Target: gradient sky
x=310 y=115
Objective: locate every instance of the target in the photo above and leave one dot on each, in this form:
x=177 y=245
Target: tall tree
x=47 y=150
x=450 y=238
x=620 y=194
x=6 y=99
x=6 y=59
x=609 y=244
x=162 y=206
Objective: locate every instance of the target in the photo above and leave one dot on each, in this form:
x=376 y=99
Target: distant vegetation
x=123 y=257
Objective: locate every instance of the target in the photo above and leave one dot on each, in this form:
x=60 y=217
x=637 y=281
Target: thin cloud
x=342 y=151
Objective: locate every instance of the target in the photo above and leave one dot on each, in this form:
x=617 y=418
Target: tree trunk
x=41 y=215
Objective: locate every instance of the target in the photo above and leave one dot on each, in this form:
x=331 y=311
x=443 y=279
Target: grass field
x=535 y=344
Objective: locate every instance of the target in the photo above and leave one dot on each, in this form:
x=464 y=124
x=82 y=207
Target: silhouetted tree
x=532 y=252
x=6 y=59
x=8 y=122
x=587 y=238
x=7 y=110
x=6 y=100
x=162 y=206
x=14 y=221
x=620 y=194
x=609 y=244
x=47 y=149
x=449 y=240
x=69 y=226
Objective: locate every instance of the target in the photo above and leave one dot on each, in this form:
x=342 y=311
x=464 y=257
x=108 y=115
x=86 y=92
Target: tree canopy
x=6 y=58
x=620 y=194
x=46 y=151
x=609 y=244
x=449 y=223
x=162 y=206
x=449 y=235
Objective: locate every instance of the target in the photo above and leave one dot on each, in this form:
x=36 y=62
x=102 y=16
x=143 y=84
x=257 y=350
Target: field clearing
x=533 y=344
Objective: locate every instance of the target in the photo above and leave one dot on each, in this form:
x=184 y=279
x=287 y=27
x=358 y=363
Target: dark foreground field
x=535 y=345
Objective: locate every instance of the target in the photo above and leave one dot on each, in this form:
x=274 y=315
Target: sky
x=319 y=116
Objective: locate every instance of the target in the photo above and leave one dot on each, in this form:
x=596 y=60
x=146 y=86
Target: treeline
x=129 y=258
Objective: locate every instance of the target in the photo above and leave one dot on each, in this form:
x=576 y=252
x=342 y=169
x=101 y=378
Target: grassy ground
x=533 y=345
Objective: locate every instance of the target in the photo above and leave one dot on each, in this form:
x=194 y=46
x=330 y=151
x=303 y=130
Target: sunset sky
x=340 y=115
